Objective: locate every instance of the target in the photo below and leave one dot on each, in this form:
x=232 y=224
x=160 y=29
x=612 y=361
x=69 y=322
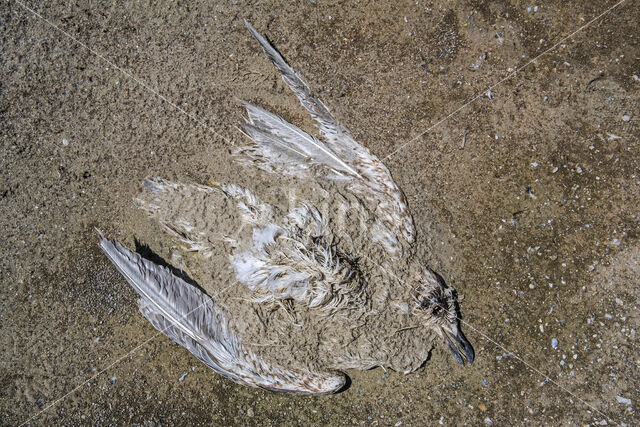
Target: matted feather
x=296 y=139
x=170 y=202
x=297 y=261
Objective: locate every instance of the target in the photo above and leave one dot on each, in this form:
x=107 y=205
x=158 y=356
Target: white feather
x=297 y=261
x=266 y=128
x=254 y=211
x=329 y=128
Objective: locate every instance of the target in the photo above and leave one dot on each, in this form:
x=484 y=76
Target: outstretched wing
x=190 y=318
x=282 y=147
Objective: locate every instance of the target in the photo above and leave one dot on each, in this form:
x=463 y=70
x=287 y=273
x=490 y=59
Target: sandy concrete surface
x=526 y=199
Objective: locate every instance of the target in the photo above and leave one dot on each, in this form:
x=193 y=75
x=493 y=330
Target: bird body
x=289 y=297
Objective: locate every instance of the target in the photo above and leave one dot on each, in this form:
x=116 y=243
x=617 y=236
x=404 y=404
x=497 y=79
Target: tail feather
x=190 y=318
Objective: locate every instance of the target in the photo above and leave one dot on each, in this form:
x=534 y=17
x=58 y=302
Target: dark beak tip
x=468 y=351
x=461 y=346
x=470 y=355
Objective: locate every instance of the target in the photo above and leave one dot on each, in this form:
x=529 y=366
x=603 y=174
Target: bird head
x=435 y=302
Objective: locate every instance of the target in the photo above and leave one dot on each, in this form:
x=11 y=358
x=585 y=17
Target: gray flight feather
x=190 y=318
x=292 y=139
x=329 y=128
x=277 y=149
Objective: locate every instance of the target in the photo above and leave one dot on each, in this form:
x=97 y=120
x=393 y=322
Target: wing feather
x=366 y=175
x=296 y=139
x=190 y=318
x=329 y=128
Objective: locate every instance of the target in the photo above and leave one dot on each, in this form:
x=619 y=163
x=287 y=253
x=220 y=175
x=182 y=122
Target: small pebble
x=626 y=118
x=554 y=343
x=623 y=400
x=488 y=421
x=65 y=142
x=250 y=413
x=183 y=376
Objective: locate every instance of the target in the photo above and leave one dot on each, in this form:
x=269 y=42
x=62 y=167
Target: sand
x=525 y=201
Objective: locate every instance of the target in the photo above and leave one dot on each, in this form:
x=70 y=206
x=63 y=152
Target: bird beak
x=458 y=345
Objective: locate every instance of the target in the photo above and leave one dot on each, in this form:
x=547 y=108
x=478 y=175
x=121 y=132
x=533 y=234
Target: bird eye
x=437 y=303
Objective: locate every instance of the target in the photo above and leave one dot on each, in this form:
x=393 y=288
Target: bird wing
x=191 y=319
x=284 y=148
